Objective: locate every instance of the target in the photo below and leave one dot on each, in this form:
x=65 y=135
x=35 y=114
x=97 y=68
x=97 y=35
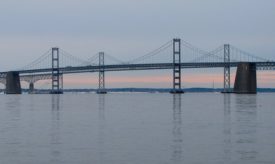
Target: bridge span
x=132 y=67
x=246 y=76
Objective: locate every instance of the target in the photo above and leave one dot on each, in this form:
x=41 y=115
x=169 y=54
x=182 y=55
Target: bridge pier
x=31 y=87
x=13 y=85
x=176 y=67
x=246 y=79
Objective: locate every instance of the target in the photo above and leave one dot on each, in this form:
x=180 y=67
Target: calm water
x=139 y=128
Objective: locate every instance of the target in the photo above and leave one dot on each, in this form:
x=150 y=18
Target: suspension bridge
x=172 y=55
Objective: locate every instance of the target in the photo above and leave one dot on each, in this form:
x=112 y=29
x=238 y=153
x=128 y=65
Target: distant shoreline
x=146 y=90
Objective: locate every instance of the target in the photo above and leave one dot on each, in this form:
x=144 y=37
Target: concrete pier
x=13 y=83
x=31 y=87
x=246 y=79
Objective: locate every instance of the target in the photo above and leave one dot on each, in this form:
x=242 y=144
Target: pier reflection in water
x=56 y=141
x=227 y=129
x=10 y=128
x=246 y=128
x=240 y=129
x=177 y=146
x=101 y=157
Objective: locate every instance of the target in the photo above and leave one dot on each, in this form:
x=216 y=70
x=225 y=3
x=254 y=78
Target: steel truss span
x=133 y=67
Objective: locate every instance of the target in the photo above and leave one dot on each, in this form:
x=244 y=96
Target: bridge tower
x=101 y=75
x=226 y=82
x=55 y=72
x=176 y=67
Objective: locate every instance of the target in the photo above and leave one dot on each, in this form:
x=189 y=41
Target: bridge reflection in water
x=177 y=147
x=240 y=129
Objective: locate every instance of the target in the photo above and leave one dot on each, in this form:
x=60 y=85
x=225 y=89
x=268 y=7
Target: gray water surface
x=137 y=128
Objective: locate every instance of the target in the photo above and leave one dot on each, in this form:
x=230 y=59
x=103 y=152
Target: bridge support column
x=55 y=72
x=31 y=87
x=246 y=79
x=176 y=67
x=13 y=83
x=226 y=77
x=101 y=75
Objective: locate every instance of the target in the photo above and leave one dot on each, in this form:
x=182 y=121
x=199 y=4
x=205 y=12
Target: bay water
x=137 y=128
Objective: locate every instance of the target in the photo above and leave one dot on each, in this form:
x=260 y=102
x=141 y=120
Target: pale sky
x=128 y=29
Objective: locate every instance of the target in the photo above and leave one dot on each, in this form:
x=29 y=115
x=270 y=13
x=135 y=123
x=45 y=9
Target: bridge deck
x=132 y=67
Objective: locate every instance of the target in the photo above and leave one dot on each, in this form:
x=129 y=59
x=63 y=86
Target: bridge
x=56 y=62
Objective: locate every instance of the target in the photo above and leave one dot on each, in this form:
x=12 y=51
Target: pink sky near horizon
x=189 y=80
x=265 y=79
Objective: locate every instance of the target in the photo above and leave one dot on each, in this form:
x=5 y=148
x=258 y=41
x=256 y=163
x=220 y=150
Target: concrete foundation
x=31 y=88
x=13 y=83
x=246 y=79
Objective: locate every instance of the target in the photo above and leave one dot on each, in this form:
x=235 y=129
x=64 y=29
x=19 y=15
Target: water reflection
x=246 y=128
x=55 y=106
x=101 y=106
x=11 y=127
x=13 y=105
x=101 y=128
x=227 y=129
x=177 y=131
x=55 y=130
